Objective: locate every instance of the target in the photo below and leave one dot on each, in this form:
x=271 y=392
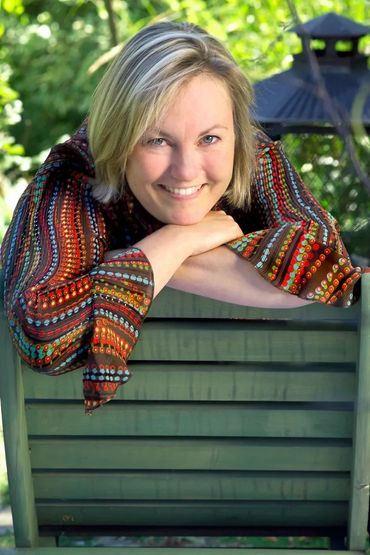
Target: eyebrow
x=163 y=133
x=217 y=126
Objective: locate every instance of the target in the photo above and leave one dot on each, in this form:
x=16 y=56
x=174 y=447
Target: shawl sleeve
x=65 y=306
x=298 y=249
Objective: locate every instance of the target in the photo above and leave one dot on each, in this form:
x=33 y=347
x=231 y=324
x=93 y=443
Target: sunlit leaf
x=13 y=6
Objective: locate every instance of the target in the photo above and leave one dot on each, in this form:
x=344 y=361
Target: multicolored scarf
x=67 y=307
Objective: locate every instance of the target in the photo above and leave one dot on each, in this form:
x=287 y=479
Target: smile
x=183 y=191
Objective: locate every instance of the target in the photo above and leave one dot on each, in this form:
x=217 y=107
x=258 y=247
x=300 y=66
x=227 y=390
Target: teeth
x=183 y=191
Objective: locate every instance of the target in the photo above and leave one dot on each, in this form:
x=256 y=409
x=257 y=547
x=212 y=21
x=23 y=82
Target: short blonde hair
x=139 y=85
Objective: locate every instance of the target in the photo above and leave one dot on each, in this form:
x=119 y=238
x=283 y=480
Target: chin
x=184 y=219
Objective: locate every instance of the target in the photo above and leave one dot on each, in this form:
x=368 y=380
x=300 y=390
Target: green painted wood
x=359 y=505
x=176 y=304
x=16 y=442
x=192 y=485
x=47 y=541
x=188 y=454
x=193 y=419
x=173 y=551
x=200 y=513
x=211 y=382
x=325 y=353
x=239 y=341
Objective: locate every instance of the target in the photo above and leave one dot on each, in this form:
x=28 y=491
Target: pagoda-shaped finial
x=293 y=100
x=332 y=28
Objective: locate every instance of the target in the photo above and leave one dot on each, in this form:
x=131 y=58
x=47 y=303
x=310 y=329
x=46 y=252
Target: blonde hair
x=138 y=87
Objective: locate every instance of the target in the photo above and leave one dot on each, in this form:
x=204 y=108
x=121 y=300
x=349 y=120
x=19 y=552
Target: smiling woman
x=180 y=171
x=166 y=183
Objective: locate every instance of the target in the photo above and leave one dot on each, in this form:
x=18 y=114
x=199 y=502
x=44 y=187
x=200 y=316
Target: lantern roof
x=331 y=25
x=325 y=88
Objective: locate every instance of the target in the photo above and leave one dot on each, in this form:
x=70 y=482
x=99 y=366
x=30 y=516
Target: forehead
x=202 y=100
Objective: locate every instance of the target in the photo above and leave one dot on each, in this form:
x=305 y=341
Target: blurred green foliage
x=4 y=492
x=326 y=168
x=53 y=53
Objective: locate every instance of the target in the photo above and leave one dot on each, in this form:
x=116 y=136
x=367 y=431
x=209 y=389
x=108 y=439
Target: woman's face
x=180 y=169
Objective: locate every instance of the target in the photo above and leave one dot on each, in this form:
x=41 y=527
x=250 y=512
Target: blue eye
x=158 y=141
x=209 y=139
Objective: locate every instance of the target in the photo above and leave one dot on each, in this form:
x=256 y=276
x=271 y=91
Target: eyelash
x=152 y=142
x=213 y=137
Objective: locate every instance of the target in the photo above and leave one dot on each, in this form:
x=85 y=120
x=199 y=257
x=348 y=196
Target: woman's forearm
x=169 y=247
x=220 y=274
x=161 y=249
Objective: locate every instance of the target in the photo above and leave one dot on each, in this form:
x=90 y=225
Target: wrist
x=179 y=240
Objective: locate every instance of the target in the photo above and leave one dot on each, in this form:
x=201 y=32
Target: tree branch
x=112 y=22
x=340 y=123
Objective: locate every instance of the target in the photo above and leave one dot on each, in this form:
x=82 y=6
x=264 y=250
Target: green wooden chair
x=237 y=421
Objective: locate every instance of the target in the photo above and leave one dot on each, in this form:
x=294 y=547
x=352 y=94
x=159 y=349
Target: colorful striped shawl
x=67 y=307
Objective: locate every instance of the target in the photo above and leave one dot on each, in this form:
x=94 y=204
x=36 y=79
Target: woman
x=166 y=184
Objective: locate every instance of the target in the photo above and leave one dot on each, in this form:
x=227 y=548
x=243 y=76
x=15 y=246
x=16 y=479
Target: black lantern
x=295 y=101
x=314 y=107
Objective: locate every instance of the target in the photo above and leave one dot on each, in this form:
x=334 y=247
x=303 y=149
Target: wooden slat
x=309 y=486
x=189 y=419
x=237 y=341
x=175 y=304
x=16 y=442
x=199 y=513
x=173 y=551
x=206 y=382
x=184 y=454
x=359 y=506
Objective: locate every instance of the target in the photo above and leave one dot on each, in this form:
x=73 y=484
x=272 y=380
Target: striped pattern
x=297 y=246
x=67 y=307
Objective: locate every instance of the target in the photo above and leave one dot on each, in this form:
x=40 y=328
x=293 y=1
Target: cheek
x=220 y=167
x=142 y=170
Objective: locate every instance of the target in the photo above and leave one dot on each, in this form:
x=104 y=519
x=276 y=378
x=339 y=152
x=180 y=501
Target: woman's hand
x=168 y=247
x=216 y=228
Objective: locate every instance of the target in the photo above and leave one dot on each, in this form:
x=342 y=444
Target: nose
x=185 y=164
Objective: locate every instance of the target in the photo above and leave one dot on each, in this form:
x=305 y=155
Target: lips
x=182 y=191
